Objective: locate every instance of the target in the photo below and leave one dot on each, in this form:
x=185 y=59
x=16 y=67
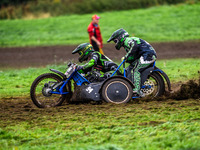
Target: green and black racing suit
x=140 y=54
x=99 y=62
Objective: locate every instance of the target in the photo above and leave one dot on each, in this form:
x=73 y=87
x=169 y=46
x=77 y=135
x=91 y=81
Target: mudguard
x=145 y=73
x=58 y=72
x=161 y=72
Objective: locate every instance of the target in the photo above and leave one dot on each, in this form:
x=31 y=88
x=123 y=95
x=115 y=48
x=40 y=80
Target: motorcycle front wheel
x=41 y=91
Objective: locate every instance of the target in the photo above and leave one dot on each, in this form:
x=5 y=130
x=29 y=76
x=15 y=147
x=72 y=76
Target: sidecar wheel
x=117 y=91
x=40 y=92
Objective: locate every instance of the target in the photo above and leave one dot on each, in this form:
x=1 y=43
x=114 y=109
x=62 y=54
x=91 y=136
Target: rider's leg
x=141 y=64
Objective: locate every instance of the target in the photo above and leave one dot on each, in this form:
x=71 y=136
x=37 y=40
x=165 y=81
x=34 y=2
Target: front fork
x=76 y=76
x=59 y=87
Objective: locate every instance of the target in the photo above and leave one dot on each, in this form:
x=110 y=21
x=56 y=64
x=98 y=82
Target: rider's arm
x=88 y=66
x=132 y=47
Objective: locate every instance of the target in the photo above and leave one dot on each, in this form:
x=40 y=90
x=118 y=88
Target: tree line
x=12 y=9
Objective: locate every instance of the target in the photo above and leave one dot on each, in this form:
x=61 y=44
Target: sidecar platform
x=89 y=92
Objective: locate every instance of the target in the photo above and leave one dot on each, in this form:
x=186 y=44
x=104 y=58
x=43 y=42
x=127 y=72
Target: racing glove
x=79 y=69
x=123 y=58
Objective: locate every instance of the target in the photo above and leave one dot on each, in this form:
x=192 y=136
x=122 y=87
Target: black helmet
x=84 y=51
x=118 y=37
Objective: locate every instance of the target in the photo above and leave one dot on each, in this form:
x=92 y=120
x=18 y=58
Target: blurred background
x=12 y=9
x=42 y=32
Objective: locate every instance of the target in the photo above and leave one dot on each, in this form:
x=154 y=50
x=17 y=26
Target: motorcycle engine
x=93 y=76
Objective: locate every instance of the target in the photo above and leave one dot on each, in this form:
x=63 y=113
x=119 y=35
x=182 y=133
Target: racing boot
x=138 y=93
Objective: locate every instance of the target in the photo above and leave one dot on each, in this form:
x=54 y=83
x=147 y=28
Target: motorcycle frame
x=79 y=79
x=155 y=69
x=76 y=76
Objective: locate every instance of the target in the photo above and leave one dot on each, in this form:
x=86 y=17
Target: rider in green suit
x=96 y=61
x=139 y=54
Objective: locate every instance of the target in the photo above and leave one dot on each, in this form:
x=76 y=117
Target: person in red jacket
x=95 y=34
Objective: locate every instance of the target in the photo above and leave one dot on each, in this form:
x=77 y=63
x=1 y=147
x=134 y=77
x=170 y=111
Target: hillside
x=156 y=24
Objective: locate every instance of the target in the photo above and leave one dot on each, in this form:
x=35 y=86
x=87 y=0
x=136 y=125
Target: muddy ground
x=41 y=56
x=20 y=108
x=16 y=110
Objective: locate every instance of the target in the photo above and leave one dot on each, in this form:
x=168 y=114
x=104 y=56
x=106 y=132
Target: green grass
x=172 y=125
x=17 y=82
x=180 y=69
x=163 y=23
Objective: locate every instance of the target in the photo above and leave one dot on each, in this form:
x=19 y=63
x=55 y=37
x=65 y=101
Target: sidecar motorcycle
x=51 y=89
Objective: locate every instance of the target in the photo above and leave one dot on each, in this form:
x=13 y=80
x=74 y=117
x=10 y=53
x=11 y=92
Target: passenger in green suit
x=96 y=60
x=139 y=54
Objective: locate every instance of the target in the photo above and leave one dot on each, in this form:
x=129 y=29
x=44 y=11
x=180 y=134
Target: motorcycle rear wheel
x=154 y=86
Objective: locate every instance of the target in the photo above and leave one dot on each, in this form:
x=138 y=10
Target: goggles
x=80 y=53
x=116 y=40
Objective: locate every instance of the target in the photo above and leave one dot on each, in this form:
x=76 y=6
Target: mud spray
x=191 y=89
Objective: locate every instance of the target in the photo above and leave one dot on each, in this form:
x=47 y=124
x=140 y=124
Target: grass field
x=156 y=125
x=163 y=23
x=144 y=125
x=17 y=82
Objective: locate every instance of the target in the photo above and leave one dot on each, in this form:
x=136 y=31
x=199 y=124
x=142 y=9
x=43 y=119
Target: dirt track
x=41 y=56
x=21 y=57
x=17 y=110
